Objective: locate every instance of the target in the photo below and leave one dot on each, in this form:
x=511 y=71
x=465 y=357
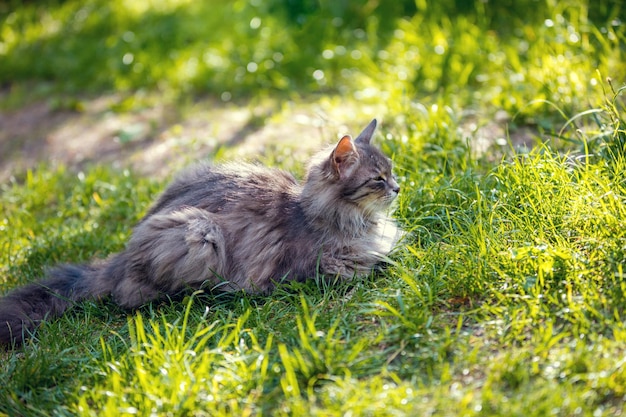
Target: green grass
x=508 y=294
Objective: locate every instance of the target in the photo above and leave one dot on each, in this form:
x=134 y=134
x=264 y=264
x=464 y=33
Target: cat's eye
x=380 y=178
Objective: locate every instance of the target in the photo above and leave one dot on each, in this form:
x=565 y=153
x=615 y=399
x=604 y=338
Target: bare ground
x=159 y=139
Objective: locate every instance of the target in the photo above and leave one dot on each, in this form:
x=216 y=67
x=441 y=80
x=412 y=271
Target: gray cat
x=234 y=227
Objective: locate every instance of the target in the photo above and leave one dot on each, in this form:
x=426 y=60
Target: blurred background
x=148 y=80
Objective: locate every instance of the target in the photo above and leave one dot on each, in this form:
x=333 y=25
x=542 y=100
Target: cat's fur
x=234 y=227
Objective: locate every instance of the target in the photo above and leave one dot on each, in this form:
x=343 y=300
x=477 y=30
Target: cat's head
x=354 y=173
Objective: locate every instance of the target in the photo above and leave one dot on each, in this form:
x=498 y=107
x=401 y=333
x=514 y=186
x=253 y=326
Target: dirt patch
x=152 y=141
x=159 y=139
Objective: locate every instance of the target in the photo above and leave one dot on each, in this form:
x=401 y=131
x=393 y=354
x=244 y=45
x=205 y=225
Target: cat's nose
x=394 y=186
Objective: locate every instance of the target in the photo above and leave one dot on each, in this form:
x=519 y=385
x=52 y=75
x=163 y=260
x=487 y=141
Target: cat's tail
x=23 y=309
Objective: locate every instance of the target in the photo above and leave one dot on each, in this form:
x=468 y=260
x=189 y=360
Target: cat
x=234 y=227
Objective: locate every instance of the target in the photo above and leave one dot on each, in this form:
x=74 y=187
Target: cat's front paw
x=343 y=268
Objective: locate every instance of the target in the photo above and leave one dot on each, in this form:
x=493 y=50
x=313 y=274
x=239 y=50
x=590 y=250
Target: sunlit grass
x=507 y=294
x=510 y=285
x=395 y=51
x=169 y=368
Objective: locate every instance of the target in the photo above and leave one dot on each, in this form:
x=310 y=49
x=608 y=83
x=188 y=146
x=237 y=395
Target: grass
x=506 y=297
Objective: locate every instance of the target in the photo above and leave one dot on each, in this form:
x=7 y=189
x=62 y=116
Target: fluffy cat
x=234 y=227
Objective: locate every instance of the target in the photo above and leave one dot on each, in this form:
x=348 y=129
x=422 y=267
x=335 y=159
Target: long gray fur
x=234 y=227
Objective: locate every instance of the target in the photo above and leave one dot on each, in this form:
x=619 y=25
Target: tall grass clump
x=184 y=367
x=524 y=260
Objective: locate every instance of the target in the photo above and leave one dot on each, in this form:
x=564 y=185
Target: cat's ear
x=344 y=157
x=366 y=135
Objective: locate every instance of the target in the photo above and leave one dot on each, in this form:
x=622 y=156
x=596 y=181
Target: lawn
x=506 y=122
